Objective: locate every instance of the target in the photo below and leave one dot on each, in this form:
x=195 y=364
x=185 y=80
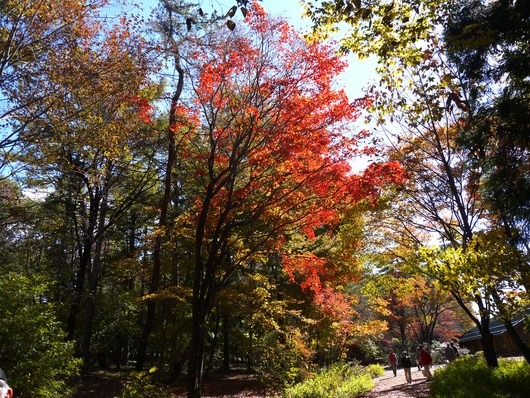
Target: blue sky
x=359 y=73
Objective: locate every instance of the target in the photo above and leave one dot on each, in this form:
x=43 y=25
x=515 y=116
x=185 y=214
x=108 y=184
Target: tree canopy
x=193 y=190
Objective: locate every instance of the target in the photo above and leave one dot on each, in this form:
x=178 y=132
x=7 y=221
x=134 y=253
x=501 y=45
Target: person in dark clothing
x=406 y=362
x=457 y=354
x=450 y=353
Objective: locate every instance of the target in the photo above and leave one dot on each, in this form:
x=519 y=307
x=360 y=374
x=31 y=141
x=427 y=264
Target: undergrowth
x=471 y=378
x=338 y=381
x=140 y=385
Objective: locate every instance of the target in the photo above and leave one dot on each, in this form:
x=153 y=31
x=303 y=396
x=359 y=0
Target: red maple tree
x=270 y=140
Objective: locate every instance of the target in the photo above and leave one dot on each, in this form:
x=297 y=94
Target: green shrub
x=513 y=378
x=471 y=378
x=375 y=371
x=33 y=352
x=338 y=381
x=353 y=387
x=140 y=385
x=278 y=364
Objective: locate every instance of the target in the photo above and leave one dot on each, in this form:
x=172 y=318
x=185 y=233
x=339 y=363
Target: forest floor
x=234 y=384
x=107 y=384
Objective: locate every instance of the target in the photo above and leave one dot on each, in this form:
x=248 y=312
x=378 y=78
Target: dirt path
x=390 y=386
x=387 y=386
x=100 y=384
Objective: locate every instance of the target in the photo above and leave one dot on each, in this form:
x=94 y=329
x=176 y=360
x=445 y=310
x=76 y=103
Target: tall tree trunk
x=196 y=357
x=226 y=342
x=75 y=307
x=202 y=289
x=431 y=327
x=93 y=283
x=483 y=325
x=85 y=259
x=164 y=207
x=487 y=338
x=487 y=344
x=215 y=338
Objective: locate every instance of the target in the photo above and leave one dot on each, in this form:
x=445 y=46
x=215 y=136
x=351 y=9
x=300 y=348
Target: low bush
x=338 y=381
x=470 y=377
x=140 y=385
x=375 y=371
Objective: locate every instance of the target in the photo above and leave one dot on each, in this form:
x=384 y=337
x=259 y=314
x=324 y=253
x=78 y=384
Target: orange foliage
x=272 y=147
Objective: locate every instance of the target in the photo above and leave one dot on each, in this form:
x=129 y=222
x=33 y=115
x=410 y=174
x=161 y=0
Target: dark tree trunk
x=489 y=349
x=93 y=285
x=196 y=358
x=85 y=260
x=121 y=343
x=250 y=357
x=226 y=342
x=215 y=338
x=203 y=285
x=483 y=325
x=490 y=355
x=75 y=307
x=164 y=207
x=518 y=341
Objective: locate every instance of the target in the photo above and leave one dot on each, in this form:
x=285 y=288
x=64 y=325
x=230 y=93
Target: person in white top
x=5 y=390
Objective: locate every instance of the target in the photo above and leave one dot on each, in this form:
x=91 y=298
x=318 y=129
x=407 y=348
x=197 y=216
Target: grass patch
x=471 y=378
x=338 y=381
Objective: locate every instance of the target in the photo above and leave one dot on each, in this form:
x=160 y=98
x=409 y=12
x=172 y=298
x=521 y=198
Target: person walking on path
x=455 y=349
x=393 y=362
x=426 y=362
x=451 y=353
x=418 y=349
x=406 y=362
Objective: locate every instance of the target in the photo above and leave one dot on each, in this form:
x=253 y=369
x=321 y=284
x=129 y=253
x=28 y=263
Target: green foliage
x=375 y=370
x=335 y=382
x=33 y=351
x=486 y=40
x=471 y=377
x=488 y=264
x=382 y=28
x=140 y=385
x=117 y=319
x=280 y=363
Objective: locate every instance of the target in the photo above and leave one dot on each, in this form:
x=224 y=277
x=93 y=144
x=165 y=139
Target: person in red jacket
x=426 y=362
x=393 y=362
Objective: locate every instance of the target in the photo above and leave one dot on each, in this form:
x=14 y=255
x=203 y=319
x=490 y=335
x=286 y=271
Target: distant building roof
x=496 y=327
